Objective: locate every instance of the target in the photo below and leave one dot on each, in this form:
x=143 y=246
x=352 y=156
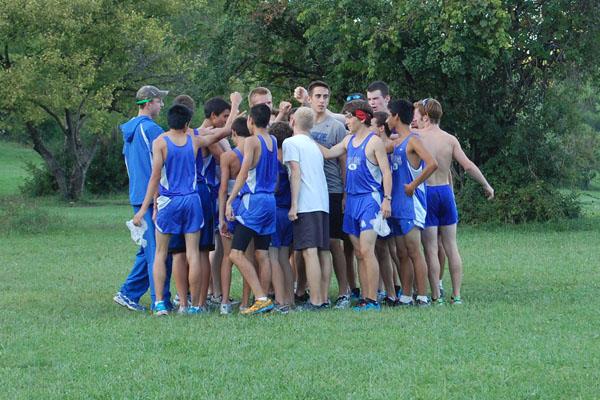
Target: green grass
x=528 y=330
x=13 y=158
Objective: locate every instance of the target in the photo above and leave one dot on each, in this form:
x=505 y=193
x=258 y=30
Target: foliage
x=72 y=63
x=530 y=202
x=504 y=70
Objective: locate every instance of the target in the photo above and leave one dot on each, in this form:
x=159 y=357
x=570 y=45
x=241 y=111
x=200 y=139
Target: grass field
x=530 y=328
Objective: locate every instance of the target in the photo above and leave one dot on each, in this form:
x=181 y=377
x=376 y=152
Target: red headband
x=360 y=114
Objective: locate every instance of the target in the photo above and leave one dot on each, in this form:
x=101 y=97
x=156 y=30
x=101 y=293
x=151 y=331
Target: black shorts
x=311 y=230
x=336 y=217
x=243 y=235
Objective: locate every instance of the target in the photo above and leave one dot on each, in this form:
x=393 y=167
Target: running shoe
x=456 y=300
x=438 y=302
x=182 y=310
x=367 y=306
x=381 y=294
x=125 y=301
x=281 y=308
x=355 y=295
x=342 y=302
x=259 y=307
x=301 y=299
x=388 y=301
x=308 y=306
x=225 y=309
x=422 y=303
x=408 y=304
x=160 y=308
x=194 y=310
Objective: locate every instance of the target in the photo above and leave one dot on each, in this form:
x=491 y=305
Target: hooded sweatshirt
x=138 y=135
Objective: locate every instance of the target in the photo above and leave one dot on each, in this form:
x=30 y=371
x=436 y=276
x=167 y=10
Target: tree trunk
x=69 y=175
x=53 y=164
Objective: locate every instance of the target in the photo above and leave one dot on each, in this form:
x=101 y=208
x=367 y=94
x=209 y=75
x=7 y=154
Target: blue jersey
x=263 y=177
x=403 y=206
x=362 y=176
x=178 y=176
x=283 y=195
x=138 y=135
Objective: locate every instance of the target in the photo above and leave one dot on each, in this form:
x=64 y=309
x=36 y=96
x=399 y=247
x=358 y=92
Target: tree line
x=518 y=79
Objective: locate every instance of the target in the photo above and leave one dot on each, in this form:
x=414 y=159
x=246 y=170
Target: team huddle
x=290 y=195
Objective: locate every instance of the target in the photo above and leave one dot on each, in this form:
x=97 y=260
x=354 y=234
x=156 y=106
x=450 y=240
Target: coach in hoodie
x=138 y=135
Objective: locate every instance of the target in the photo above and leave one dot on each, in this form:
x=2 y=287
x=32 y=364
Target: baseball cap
x=146 y=93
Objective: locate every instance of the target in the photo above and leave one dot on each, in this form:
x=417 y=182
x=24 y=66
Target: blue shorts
x=179 y=214
x=207 y=234
x=256 y=211
x=441 y=206
x=401 y=226
x=360 y=212
x=283 y=229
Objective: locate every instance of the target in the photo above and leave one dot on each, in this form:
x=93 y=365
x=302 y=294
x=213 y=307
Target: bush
x=536 y=201
x=40 y=181
x=107 y=172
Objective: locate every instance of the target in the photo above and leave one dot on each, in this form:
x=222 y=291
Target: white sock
x=264 y=298
x=423 y=299
x=441 y=284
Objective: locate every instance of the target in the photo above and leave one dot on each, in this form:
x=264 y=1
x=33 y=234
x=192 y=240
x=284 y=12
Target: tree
x=73 y=63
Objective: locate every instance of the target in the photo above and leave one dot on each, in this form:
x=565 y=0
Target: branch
x=52 y=114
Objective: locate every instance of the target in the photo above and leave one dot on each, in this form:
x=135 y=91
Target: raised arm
x=284 y=109
x=158 y=147
x=416 y=145
x=250 y=146
x=384 y=165
x=470 y=168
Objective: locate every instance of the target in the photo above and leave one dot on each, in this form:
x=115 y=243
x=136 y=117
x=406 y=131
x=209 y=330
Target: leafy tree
x=72 y=63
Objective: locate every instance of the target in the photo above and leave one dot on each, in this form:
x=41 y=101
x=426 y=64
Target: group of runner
x=303 y=191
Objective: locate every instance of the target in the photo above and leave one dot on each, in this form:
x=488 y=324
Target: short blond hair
x=304 y=118
x=430 y=107
x=258 y=91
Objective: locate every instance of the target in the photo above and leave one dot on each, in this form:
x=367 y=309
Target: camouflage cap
x=148 y=92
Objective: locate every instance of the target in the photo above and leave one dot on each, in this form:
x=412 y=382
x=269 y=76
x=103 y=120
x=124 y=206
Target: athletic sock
x=441 y=284
x=423 y=299
x=264 y=298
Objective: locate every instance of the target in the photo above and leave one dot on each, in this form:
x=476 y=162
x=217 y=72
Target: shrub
x=535 y=201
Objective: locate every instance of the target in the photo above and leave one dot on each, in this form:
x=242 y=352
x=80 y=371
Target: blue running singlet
x=405 y=207
x=263 y=177
x=178 y=176
x=362 y=176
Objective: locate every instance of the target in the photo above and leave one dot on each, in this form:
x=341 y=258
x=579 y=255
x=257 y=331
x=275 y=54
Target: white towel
x=380 y=225
x=137 y=232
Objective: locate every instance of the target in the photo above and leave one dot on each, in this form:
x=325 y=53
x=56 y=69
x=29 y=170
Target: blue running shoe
x=125 y=301
x=194 y=310
x=160 y=308
x=367 y=306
